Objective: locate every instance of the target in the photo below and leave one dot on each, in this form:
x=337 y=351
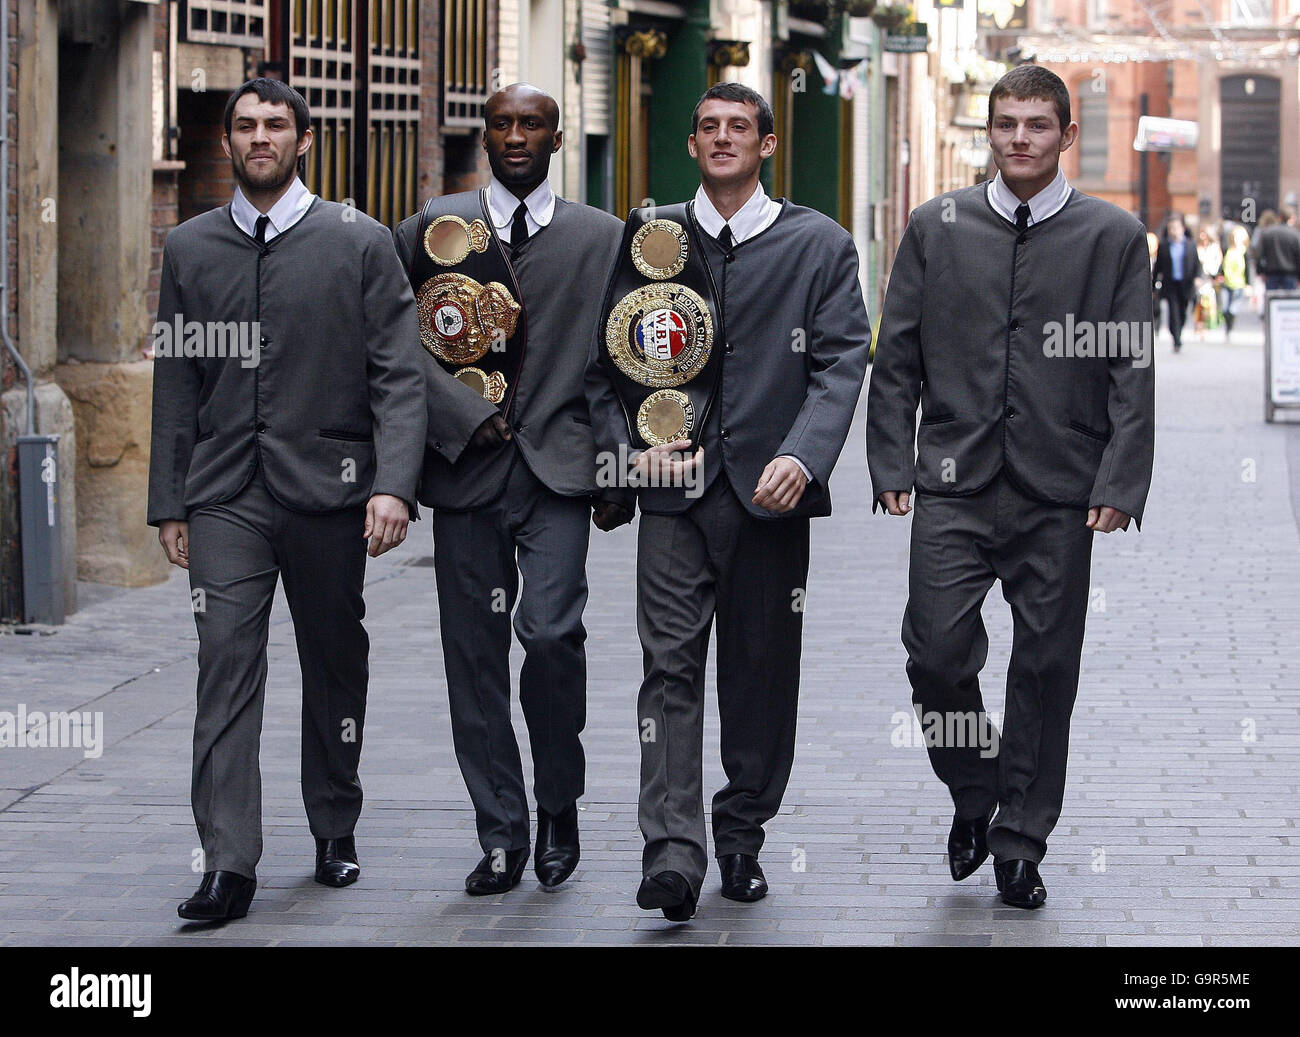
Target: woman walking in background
x=1235 y=275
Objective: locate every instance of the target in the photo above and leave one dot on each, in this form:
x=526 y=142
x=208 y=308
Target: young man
x=1019 y=316
x=278 y=459
x=518 y=502
x=736 y=548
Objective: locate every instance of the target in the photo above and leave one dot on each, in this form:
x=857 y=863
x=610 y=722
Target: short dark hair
x=277 y=92
x=1033 y=82
x=737 y=92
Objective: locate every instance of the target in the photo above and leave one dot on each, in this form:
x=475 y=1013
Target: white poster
x=1284 y=350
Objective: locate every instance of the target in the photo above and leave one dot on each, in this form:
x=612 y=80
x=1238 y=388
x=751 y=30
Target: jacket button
x=261 y=426
x=1016 y=325
x=725 y=433
x=265 y=341
x=727 y=348
x=1011 y=411
x=731 y=259
x=1022 y=239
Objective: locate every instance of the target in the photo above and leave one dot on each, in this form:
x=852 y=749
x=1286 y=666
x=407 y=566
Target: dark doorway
x=1250 y=145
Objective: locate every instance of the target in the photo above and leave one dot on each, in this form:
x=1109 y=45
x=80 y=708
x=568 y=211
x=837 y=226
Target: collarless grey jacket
x=997 y=335
x=331 y=404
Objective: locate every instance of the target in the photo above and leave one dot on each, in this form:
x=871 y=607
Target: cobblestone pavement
x=1179 y=823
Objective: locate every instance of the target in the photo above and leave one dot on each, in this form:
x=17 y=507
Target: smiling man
x=517 y=503
x=732 y=547
x=1025 y=451
x=281 y=469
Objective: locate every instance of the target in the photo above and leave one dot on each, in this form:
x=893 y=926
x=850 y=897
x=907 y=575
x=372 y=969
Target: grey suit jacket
x=560 y=272
x=330 y=404
x=974 y=329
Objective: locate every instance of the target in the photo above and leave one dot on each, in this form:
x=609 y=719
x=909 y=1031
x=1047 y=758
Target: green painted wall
x=815 y=166
x=677 y=80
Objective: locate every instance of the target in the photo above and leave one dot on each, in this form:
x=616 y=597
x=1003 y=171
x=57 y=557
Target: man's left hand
x=1107 y=520
x=386 y=520
x=607 y=515
x=781 y=486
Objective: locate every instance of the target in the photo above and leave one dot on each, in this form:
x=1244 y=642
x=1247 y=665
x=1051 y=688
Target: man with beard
x=280 y=461
x=733 y=545
x=517 y=503
x=1027 y=448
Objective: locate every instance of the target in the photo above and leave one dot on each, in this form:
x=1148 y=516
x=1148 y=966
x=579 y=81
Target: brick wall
x=207 y=180
x=10 y=552
x=8 y=372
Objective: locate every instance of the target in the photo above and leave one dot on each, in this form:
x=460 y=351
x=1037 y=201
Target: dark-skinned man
x=734 y=549
x=517 y=504
x=278 y=463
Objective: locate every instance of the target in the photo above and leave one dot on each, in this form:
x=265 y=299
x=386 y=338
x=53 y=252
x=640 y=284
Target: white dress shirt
x=1045 y=203
x=291 y=207
x=502 y=204
x=754 y=217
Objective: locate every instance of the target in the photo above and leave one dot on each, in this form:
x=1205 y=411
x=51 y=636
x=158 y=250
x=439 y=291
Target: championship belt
x=471 y=309
x=660 y=320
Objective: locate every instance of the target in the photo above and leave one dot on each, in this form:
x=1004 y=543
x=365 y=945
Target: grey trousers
x=1042 y=555
x=716 y=563
x=479 y=556
x=238 y=550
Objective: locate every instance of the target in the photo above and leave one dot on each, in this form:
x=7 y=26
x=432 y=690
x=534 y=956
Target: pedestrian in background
x=1210 y=255
x=1177 y=267
x=1277 y=250
x=1234 y=278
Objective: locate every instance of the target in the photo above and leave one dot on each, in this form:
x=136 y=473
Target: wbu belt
x=471 y=311
x=661 y=318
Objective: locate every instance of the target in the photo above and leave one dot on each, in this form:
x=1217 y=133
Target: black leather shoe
x=498 y=872
x=556 y=854
x=1019 y=883
x=669 y=892
x=742 y=878
x=221 y=895
x=336 y=861
x=968 y=845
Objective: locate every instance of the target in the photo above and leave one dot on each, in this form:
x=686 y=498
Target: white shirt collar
x=754 y=217
x=291 y=207
x=1045 y=203
x=502 y=204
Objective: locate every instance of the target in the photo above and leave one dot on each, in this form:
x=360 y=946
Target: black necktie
x=519 y=226
x=259 y=232
x=1022 y=217
x=724 y=237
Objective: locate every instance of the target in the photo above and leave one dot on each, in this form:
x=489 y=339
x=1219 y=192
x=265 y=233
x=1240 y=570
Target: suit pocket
x=204 y=436
x=346 y=436
x=582 y=421
x=1091 y=433
x=938 y=419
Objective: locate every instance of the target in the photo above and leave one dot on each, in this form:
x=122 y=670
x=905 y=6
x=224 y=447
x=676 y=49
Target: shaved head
x=521 y=131
x=528 y=95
